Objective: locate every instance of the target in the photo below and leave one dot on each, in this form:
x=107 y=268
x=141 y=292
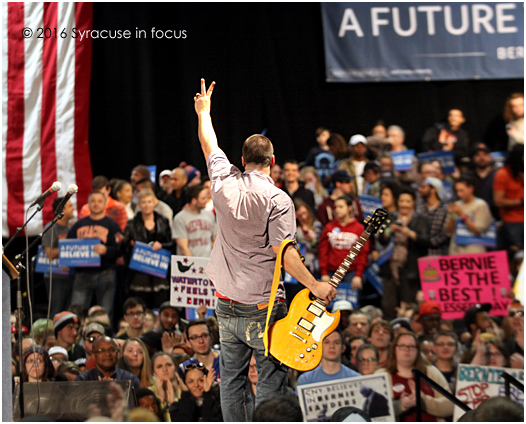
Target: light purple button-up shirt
x=252 y=216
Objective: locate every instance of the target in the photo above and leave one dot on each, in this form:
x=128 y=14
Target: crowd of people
x=115 y=323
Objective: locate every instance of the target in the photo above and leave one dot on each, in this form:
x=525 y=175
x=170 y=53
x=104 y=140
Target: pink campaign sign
x=458 y=282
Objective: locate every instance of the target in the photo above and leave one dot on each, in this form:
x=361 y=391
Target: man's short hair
x=384 y=324
x=194 y=323
x=99 y=182
x=465 y=179
x=56 y=202
x=258 y=149
x=193 y=191
x=143 y=170
x=132 y=302
x=280 y=408
x=93 y=193
x=396 y=128
x=145 y=192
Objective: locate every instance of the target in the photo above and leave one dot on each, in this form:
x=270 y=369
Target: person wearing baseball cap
x=430 y=315
x=66 y=326
x=355 y=165
x=483 y=174
x=91 y=333
x=345 y=308
x=342 y=183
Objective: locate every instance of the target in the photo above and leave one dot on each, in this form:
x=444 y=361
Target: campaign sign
x=191 y=314
x=403 y=161
x=78 y=252
x=459 y=282
x=42 y=264
x=372 y=273
x=449 y=194
x=153 y=173
x=446 y=159
x=463 y=236
x=476 y=383
x=368 y=204
x=499 y=158
x=190 y=286
x=144 y=259
x=346 y=293
x=371 y=393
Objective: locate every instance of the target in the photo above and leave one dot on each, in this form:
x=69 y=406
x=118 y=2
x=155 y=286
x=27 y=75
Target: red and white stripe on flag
x=45 y=110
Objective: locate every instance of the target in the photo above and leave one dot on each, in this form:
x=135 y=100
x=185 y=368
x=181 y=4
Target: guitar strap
x=275 y=284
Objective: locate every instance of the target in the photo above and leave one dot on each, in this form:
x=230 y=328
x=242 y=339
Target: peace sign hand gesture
x=202 y=99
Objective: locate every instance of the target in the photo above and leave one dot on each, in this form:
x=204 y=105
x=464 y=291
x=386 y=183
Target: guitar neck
x=349 y=259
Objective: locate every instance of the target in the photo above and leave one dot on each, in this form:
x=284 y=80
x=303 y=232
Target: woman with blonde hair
x=135 y=358
x=311 y=178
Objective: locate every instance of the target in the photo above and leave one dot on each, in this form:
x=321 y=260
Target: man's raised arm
x=207 y=135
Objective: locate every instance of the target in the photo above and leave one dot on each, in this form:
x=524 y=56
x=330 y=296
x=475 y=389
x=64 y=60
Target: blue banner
x=369 y=203
x=346 y=293
x=449 y=192
x=78 y=252
x=403 y=161
x=463 y=236
x=423 y=41
x=42 y=264
x=499 y=158
x=153 y=173
x=445 y=158
x=144 y=259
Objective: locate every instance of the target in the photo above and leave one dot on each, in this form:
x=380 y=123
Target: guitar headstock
x=377 y=222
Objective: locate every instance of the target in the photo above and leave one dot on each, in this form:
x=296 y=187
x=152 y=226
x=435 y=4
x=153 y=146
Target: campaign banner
x=499 y=158
x=145 y=260
x=153 y=173
x=449 y=194
x=346 y=293
x=42 y=264
x=420 y=41
x=446 y=159
x=463 y=235
x=476 y=383
x=78 y=252
x=372 y=273
x=403 y=161
x=190 y=286
x=371 y=393
x=369 y=204
x=459 y=282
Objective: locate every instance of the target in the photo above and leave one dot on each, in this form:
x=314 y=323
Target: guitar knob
x=314 y=346
x=302 y=355
x=308 y=349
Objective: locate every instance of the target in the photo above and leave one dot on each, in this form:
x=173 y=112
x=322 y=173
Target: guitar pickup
x=303 y=323
x=316 y=310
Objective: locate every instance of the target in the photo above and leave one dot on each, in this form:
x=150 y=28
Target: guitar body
x=297 y=339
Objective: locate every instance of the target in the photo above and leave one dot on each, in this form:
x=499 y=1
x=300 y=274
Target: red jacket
x=336 y=242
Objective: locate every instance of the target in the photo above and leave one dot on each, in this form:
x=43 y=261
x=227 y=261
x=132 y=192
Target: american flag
x=45 y=108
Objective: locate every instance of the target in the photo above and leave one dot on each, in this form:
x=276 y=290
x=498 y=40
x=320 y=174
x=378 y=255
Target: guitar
x=298 y=338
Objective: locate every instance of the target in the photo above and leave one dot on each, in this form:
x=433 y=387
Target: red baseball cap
x=430 y=307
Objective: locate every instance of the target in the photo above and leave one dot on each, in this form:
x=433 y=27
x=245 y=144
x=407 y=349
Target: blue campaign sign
x=402 y=161
x=78 y=252
x=368 y=204
x=42 y=264
x=499 y=158
x=346 y=293
x=144 y=259
x=449 y=193
x=153 y=173
x=463 y=236
x=421 y=41
x=445 y=158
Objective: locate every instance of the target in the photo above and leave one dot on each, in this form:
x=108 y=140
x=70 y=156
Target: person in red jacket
x=336 y=240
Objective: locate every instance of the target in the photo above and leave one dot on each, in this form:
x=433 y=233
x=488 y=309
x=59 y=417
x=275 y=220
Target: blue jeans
x=61 y=293
x=101 y=283
x=241 y=330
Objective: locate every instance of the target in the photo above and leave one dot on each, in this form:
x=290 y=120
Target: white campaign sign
x=190 y=286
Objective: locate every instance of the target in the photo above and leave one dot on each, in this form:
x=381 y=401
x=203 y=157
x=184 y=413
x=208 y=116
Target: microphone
x=40 y=199
x=72 y=189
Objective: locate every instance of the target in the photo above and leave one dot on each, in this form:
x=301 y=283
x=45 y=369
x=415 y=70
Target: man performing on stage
x=253 y=218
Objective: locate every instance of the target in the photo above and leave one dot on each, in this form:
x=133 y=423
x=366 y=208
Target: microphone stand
x=18 y=268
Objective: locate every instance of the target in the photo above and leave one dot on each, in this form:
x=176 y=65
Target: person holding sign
x=254 y=217
x=96 y=280
x=469 y=210
x=152 y=228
